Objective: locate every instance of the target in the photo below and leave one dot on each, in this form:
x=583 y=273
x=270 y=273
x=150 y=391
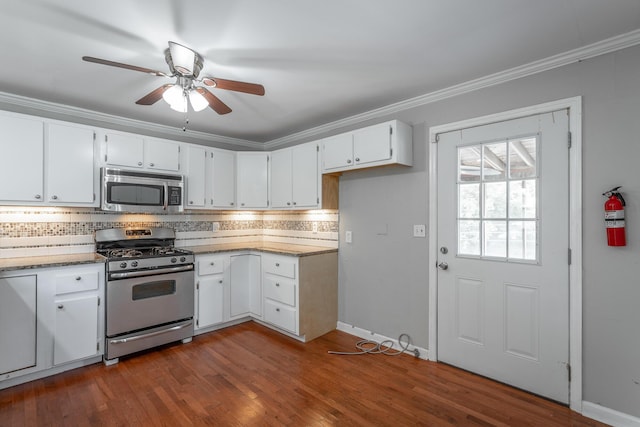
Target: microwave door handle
x=166 y=196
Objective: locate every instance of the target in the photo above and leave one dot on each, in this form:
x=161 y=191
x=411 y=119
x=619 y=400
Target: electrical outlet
x=348 y=237
x=314 y=227
x=419 y=230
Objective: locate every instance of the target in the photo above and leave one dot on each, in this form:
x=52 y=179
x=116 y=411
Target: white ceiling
x=319 y=61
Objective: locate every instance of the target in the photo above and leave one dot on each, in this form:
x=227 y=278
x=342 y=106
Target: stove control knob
x=174 y=260
x=134 y=264
x=183 y=259
x=123 y=265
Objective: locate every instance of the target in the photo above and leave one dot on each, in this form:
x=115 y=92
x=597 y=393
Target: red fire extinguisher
x=614 y=217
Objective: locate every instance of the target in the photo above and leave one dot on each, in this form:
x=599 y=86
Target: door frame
x=574 y=106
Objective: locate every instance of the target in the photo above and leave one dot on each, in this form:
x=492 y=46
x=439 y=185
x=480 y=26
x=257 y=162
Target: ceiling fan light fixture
x=175 y=97
x=198 y=102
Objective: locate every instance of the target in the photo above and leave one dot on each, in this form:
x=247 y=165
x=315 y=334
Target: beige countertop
x=269 y=247
x=7 y=264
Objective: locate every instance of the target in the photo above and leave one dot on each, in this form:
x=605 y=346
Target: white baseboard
x=368 y=335
x=609 y=416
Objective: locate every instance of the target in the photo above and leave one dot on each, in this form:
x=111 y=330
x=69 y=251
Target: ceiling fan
x=185 y=65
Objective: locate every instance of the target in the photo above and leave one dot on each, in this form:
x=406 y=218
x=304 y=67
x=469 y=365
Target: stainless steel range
x=149 y=292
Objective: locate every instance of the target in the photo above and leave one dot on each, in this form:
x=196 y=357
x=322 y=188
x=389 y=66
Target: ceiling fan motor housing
x=183 y=61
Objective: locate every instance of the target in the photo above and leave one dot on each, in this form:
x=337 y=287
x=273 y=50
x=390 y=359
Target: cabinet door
x=337 y=151
x=253 y=180
x=224 y=179
x=305 y=176
x=245 y=286
x=124 y=150
x=372 y=144
x=196 y=176
x=161 y=154
x=210 y=301
x=69 y=159
x=75 y=329
x=21 y=162
x=17 y=323
x=281 y=185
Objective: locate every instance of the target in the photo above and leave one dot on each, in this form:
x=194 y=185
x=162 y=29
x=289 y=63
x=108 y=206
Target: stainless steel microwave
x=140 y=191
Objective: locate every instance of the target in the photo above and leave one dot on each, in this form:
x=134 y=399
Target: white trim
x=609 y=416
x=109 y=120
x=368 y=335
x=576 y=55
x=575 y=228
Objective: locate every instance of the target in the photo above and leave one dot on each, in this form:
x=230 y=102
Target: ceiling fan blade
x=153 y=96
x=251 y=88
x=214 y=102
x=125 y=66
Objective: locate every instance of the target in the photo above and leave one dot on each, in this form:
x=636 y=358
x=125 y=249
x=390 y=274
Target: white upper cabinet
x=124 y=150
x=197 y=158
x=69 y=165
x=377 y=145
x=162 y=154
x=21 y=162
x=295 y=177
x=253 y=180
x=224 y=179
x=135 y=151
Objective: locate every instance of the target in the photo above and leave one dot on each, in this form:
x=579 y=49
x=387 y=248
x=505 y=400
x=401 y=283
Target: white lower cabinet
x=245 y=291
x=211 y=279
x=50 y=318
x=17 y=323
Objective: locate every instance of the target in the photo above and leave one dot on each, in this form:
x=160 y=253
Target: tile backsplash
x=51 y=231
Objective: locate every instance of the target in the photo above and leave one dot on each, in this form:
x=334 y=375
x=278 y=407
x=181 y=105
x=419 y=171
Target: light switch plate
x=419 y=230
x=348 y=237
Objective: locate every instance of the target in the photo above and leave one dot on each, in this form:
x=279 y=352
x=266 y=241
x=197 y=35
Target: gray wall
x=383 y=277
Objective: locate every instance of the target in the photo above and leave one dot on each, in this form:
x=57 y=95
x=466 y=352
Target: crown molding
x=590 y=51
x=108 y=119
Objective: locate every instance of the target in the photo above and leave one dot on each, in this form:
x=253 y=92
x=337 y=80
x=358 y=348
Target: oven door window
x=135 y=194
x=153 y=289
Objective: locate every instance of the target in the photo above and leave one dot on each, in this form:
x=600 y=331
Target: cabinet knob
x=37 y=196
x=151 y=164
x=277 y=309
x=357 y=159
x=213 y=263
x=277 y=285
x=231 y=203
x=220 y=281
x=288 y=203
x=54 y=197
x=60 y=306
x=277 y=264
x=139 y=163
x=349 y=161
x=294 y=203
x=241 y=204
x=190 y=202
x=78 y=278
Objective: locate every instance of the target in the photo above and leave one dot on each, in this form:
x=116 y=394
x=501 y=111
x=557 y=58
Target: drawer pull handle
x=60 y=306
x=79 y=278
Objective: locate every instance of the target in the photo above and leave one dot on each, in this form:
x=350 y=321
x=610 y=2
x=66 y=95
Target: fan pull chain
x=186 y=122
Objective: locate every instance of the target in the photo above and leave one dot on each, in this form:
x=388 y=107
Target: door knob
x=443 y=266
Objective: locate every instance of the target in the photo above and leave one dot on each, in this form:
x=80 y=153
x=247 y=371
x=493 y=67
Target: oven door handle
x=142 y=273
x=150 y=334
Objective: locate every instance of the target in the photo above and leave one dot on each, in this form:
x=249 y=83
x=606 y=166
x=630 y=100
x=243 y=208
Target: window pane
x=469 y=163
x=494 y=165
x=522 y=240
x=468 y=237
x=522 y=199
x=495 y=200
x=469 y=201
x=522 y=158
x=495 y=238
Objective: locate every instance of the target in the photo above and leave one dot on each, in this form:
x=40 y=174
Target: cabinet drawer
x=76 y=282
x=210 y=265
x=280 y=289
x=280 y=315
x=279 y=266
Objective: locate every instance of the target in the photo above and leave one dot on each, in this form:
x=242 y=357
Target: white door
x=196 y=178
x=76 y=329
x=252 y=180
x=161 y=154
x=372 y=144
x=305 y=175
x=281 y=179
x=124 y=150
x=503 y=240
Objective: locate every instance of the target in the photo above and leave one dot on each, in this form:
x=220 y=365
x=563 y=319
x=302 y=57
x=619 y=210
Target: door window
x=498 y=200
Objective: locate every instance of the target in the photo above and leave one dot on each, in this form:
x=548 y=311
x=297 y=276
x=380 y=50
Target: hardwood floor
x=249 y=375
